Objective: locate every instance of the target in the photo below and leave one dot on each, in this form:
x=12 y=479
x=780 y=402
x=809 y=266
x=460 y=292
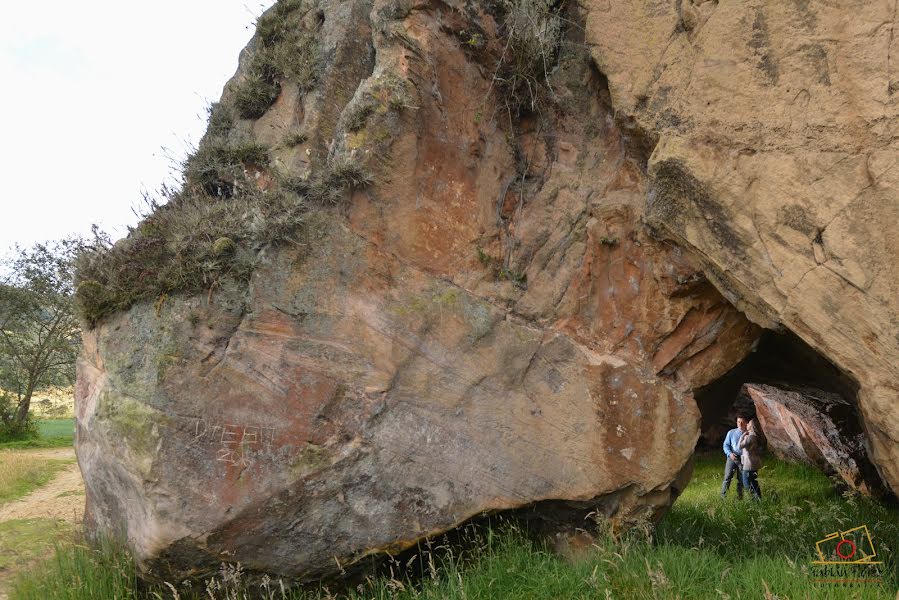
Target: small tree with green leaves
x=39 y=332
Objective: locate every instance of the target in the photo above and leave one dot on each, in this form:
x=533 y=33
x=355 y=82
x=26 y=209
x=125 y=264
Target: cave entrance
x=807 y=409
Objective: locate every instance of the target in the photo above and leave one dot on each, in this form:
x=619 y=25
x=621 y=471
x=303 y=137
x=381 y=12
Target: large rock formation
x=485 y=322
x=815 y=427
x=776 y=166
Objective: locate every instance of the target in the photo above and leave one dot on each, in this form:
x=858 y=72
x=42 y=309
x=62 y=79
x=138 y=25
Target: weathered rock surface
x=817 y=428
x=776 y=166
x=489 y=324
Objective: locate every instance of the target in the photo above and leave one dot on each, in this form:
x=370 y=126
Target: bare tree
x=39 y=332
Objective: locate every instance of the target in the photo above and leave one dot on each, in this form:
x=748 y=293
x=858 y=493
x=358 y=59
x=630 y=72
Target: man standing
x=732 y=452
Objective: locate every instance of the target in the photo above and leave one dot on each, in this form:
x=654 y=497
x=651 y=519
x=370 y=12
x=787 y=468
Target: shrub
x=533 y=33
x=12 y=429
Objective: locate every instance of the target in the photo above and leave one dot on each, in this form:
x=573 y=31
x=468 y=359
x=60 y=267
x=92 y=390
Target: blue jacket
x=730 y=443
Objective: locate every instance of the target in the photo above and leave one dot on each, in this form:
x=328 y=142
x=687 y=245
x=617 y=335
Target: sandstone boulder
x=817 y=428
x=473 y=315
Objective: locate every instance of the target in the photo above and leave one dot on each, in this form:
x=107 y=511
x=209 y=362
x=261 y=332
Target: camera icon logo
x=851 y=547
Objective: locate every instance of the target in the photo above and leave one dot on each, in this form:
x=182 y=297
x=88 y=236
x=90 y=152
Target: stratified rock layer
x=489 y=324
x=817 y=428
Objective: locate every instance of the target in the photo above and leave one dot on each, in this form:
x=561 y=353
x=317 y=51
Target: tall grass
x=706 y=547
x=81 y=572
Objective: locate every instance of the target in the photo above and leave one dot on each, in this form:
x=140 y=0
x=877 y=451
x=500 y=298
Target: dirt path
x=62 y=498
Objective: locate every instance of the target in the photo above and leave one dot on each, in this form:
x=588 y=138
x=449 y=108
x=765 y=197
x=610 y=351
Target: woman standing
x=751 y=460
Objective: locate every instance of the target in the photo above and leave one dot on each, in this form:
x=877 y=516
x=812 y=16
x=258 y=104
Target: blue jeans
x=730 y=469
x=751 y=482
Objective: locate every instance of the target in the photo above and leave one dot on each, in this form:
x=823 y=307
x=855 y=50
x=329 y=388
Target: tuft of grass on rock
x=295 y=138
x=216 y=167
x=220 y=120
x=284 y=49
x=209 y=232
x=190 y=244
x=387 y=93
x=346 y=172
x=255 y=94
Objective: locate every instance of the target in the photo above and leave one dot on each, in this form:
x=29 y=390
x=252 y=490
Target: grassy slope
x=705 y=548
x=21 y=473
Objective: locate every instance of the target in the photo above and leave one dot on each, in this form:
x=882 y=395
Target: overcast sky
x=92 y=92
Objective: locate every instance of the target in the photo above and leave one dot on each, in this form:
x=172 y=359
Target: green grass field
x=52 y=433
x=704 y=548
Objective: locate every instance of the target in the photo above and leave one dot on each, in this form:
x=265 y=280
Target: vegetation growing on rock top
x=233 y=191
x=233 y=201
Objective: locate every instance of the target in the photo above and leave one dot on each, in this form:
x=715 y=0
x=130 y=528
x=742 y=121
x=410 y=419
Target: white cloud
x=91 y=93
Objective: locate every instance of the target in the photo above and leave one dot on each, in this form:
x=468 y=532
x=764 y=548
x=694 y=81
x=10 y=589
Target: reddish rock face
x=816 y=428
x=476 y=331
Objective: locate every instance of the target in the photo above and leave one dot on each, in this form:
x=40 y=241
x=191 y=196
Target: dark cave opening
x=778 y=358
x=810 y=404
